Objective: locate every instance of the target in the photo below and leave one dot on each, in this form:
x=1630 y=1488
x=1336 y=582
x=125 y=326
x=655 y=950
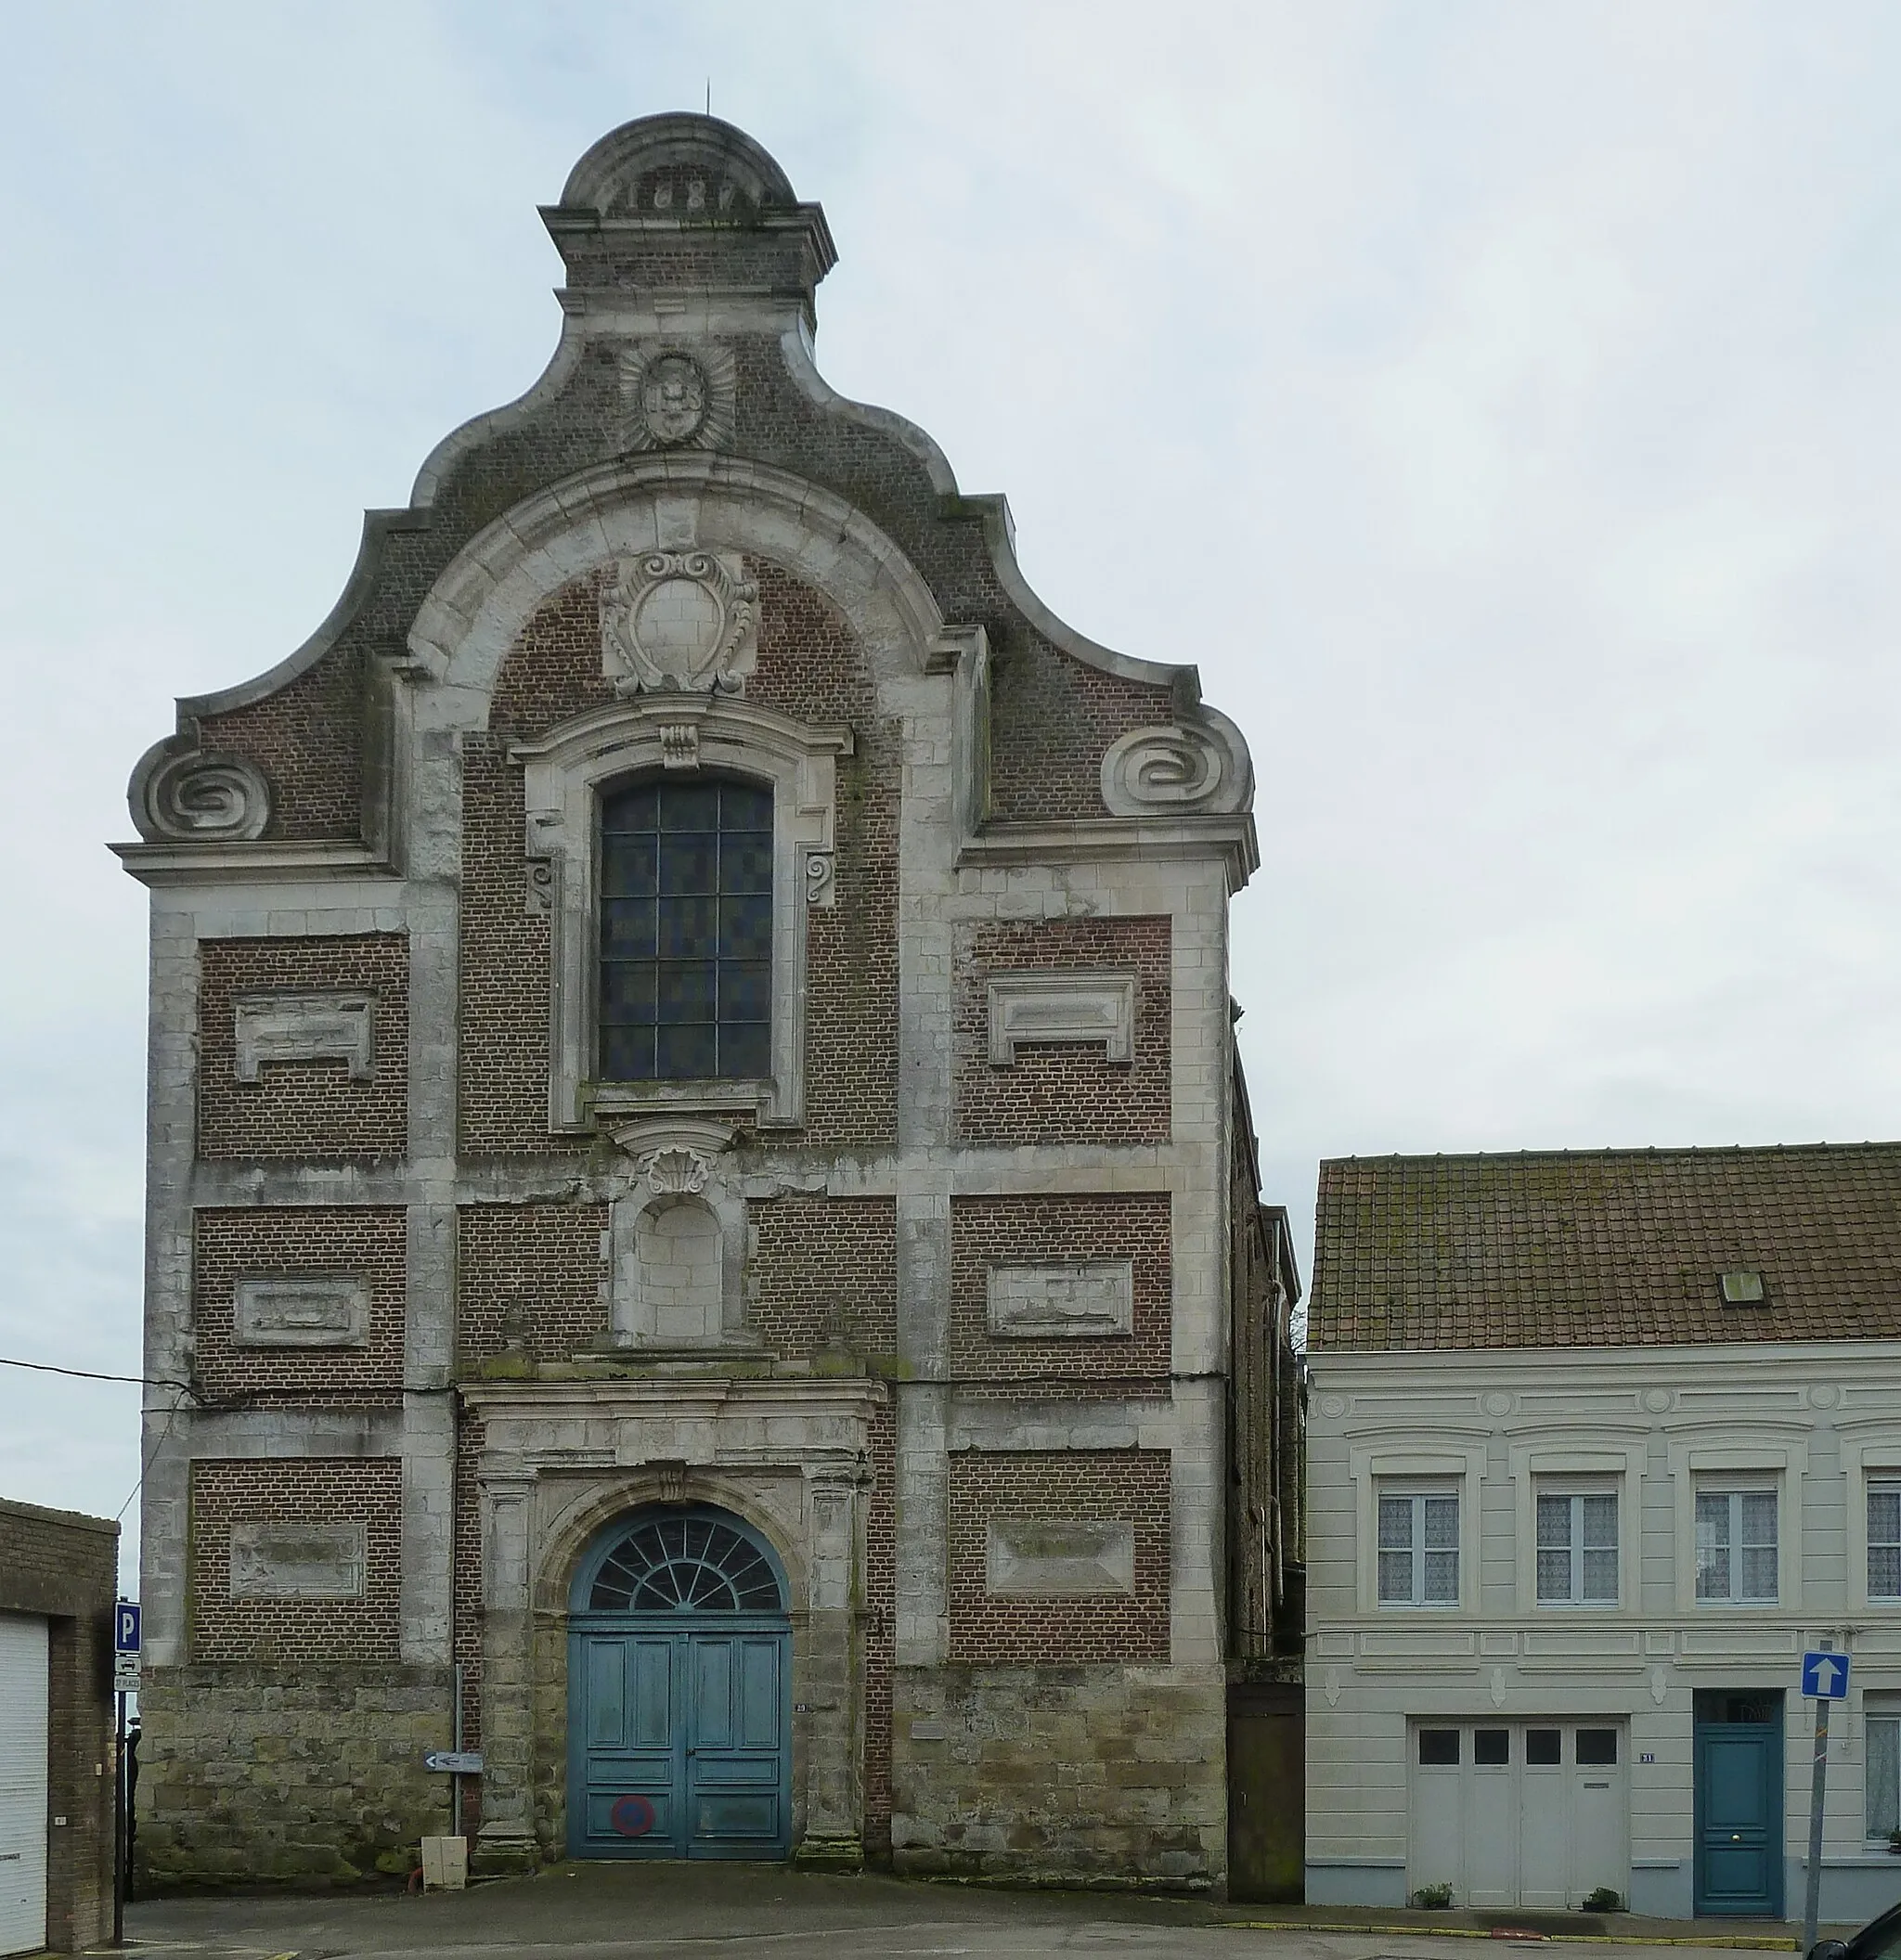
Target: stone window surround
x=1441 y=1462
x=1619 y=1466
x=1779 y=1464
x=565 y=774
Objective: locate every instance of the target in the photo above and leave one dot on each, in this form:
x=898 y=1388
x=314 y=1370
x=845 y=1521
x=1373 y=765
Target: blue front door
x=678 y=1710
x=1739 y=1808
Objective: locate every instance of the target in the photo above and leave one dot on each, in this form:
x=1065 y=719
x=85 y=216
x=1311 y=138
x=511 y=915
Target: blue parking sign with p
x=1825 y=1676
x=125 y=1628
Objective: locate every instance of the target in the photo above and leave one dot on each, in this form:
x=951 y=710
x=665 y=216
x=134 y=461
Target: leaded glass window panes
x=1577 y=1547
x=1884 y=1541
x=686 y=932
x=1735 y=1545
x=1420 y=1549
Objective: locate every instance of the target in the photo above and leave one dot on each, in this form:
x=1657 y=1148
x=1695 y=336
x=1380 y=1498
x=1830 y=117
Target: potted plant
x=1433 y=1898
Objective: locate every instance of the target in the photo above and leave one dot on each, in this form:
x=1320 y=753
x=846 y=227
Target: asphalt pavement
x=606 y=1911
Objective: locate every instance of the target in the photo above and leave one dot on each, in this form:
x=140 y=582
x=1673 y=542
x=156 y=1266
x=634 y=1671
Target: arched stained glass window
x=685 y=1563
x=686 y=931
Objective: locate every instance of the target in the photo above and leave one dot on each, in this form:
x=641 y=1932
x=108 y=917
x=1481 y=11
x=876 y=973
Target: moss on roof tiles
x=1607 y=1247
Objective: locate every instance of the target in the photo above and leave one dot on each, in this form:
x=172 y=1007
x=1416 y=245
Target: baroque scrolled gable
x=688 y=314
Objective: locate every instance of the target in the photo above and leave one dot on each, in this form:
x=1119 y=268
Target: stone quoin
x=699 y=1177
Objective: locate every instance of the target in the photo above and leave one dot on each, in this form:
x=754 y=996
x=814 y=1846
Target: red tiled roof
x=1606 y=1248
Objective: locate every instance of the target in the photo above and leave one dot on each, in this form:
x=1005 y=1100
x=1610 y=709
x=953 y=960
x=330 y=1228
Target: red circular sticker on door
x=631 y=1817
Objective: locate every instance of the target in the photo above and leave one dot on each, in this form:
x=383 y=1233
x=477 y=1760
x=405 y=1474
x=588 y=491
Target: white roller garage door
x=23 y=1682
x=1525 y=1813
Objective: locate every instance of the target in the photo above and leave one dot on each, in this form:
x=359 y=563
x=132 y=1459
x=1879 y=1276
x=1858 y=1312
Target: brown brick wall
x=811 y=667
x=825 y=1273
x=1066 y=1092
x=506 y=955
x=303 y=1109
x=304 y=1491
x=531 y=1272
x=63 y=1568
x=267 y=1242
x=1051 y=718
x=1125 y=1486
x=881 y=1625
x=467 y=1587
x=988 y=1232
x=307 y=738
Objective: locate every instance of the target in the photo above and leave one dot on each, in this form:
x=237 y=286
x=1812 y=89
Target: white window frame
x=1734 y=1493
x=1417 y=1497
x=650 y=734
x=1729 y=1460
x=1573 y=1495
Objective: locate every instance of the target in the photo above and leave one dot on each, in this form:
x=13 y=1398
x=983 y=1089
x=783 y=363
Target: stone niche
x=678 y=1237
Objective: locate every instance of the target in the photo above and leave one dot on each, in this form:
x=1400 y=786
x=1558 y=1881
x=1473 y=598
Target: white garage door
x=1526 y=1814
x=22 y=1785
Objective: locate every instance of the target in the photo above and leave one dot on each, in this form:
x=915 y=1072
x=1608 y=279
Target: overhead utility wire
x=93 y=1375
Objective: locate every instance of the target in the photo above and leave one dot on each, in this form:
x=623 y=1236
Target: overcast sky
x=1498 y=402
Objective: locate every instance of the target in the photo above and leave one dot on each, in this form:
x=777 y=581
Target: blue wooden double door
x=682 y=1743
x=679 y=1716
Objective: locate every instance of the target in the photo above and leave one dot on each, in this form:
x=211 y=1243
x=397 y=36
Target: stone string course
x=295 y=1490
x=1064 y=1092
x=266 y=1241
x=1128 y=1485
x=308 y=1110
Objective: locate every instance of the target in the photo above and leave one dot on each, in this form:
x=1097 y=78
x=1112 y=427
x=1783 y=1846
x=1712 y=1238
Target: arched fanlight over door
x=685 y=1561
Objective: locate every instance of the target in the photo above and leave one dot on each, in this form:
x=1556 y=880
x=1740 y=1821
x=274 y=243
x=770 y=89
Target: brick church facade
x=698 y=1171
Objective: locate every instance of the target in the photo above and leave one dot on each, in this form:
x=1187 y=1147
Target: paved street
x=608 y=1911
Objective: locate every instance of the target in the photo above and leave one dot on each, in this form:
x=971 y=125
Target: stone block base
x=1064 y=1775
x=830 y=1854
x=291 y=1773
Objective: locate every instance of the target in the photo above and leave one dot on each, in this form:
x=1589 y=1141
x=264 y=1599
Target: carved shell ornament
x=679 y=622
x=189 y=795
x=673 y=399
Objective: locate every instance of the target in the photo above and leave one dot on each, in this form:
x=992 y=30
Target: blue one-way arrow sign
x=1825 y=1676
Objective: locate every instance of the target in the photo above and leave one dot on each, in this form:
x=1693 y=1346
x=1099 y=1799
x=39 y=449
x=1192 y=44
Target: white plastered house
x=1599 y=1444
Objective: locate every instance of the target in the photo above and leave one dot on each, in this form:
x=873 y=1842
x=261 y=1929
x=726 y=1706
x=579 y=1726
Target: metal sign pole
x=456 y=1780
x=119 y=1822
x=1817 y=1796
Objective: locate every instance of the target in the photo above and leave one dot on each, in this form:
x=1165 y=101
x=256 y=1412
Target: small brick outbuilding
x=58 y=1575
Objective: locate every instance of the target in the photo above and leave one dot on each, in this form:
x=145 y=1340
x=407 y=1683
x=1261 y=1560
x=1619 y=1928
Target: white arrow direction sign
x=1825 y=1676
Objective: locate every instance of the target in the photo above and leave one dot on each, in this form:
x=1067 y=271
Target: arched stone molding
x=785 y=1457
x=563 y=775
x=666 y=502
